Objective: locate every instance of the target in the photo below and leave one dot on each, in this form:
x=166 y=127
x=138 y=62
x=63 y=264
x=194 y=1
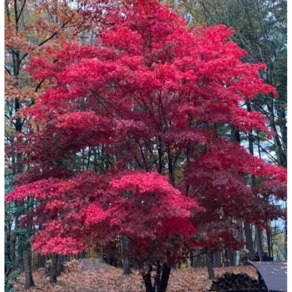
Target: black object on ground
x=236 y=282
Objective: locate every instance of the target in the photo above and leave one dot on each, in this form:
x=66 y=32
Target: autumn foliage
x=154 y=95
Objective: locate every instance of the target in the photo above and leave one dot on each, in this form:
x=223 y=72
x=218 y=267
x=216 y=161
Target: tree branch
x=21 y=10
x=8 y=71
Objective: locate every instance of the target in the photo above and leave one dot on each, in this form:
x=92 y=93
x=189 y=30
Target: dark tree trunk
x=53 y=271
x=27 y=269
x=283 y=128
x=240 y=230
x=253 y=184
x=217 y=259
x=197 y=260
x=192 y=260
x=126 y=266
x=47 y=265
x=210 y=267
x=259 y=243
x=59 y=265
x=280 y=152
x=157 y=277
x=41 y=261
x=160 y=280
x=147 y=280
x=248 y=237
x=230 y=258
x=164 y=278
x=101 y=253
x=21 y=257
x=269 y=242
x=126 y=263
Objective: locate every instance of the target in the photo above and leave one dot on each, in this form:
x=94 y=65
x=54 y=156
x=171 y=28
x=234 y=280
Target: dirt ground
x=92 y=275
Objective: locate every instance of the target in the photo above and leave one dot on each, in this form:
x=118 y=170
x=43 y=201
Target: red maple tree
x=153 y=95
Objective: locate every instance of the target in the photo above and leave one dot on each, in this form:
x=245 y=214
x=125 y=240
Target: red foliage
x=150 y=92
x=99 y=207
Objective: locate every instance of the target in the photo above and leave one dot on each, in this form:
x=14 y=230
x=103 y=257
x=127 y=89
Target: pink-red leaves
x=42 y=189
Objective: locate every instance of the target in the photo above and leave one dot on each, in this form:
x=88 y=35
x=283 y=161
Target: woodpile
x=231 y=281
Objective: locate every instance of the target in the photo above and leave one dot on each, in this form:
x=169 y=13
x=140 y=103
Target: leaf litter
x=94 y=275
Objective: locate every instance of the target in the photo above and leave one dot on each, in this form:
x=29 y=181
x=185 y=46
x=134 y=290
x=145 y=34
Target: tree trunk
x=283 y=129
x=53 y=271
x=157 y=277
x=21 y=257
x=248 y=237
x=210 y=267
x=197 y=260
x=101 y=253
x=253 y=184
x=217 y=259
x=126 y=266
x=164 y=278
x=269 y=242
x=41 y=261
x=280 y=153
x=160 y=280
x=27 y=269
x=126 y=263
x=259 y=243
x=147 y=280
x=59 y=265
x=240 y=231
x=230 y=257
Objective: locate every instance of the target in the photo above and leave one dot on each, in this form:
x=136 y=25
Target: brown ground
x=92 y=275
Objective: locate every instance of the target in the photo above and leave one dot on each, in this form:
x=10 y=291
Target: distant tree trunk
x=210 y=267
x=259 y=243
x=19 y=241
x=279 y=142
x=41 y=261
x=251 y=151
x=240 y=231
x=101 y=253
x=21 y=257
x=192 y=258
x=197 y=260
x=269 y=242
x=126 y=266
x=253 y=184
x=248 y=237
x=59 y=265
x=27 y=269
x=229 y=258
x=126 y=263
x=217 y=259
x=283 y=127
x=53 y=271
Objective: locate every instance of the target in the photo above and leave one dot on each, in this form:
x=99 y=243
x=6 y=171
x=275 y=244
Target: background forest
x=130 y=125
